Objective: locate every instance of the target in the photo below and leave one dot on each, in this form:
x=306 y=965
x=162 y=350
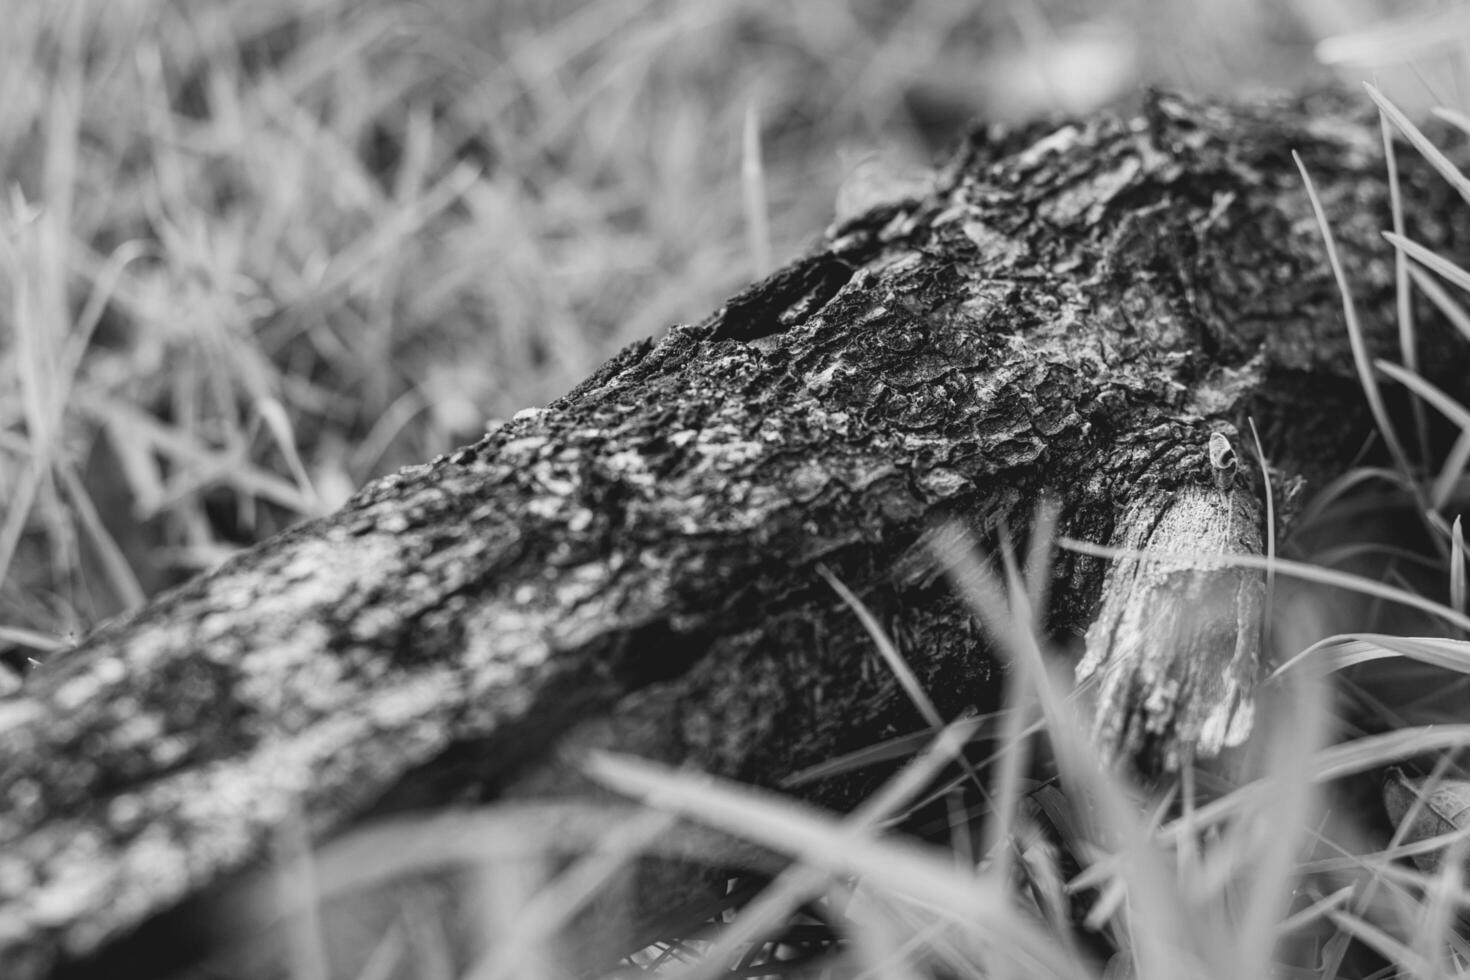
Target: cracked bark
x=1071 y=312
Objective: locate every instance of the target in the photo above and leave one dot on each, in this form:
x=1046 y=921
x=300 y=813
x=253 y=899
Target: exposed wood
x=1073 y=311
x=1176 y=644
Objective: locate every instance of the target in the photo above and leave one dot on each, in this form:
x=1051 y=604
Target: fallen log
x=1086 y=312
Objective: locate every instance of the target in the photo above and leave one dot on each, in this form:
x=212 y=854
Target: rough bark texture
x=1071 y=312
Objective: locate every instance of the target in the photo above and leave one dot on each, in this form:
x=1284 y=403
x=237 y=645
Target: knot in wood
x=1223 y=462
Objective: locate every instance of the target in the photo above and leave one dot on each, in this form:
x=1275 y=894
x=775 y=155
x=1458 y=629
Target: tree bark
x=1071 y=312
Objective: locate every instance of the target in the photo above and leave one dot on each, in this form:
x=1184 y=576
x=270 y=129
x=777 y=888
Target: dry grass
x=253 y=254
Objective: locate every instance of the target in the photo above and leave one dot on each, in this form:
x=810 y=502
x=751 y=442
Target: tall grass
x=254 y=254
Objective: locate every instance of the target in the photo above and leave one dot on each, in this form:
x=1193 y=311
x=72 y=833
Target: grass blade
x=1403 y=305
x=896 y=664
x=753 y=184
x=1447 y=406
x=1427 y=150
x=1350 y=649
x=1457 y=566
x=1266 y=608
x=1430 y=259
x=1359 y=345
x=1442 y=300
x=1296 y=569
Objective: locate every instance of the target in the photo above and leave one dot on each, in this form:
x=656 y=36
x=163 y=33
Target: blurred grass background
x=254 y=253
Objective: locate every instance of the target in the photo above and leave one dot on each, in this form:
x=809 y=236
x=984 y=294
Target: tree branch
x=1072 y=312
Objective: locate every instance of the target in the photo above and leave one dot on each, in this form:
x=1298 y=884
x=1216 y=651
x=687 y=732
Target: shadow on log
x=1073 y=311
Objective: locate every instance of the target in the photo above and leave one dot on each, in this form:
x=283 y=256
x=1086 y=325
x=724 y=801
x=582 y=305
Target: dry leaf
x=1433 y=810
